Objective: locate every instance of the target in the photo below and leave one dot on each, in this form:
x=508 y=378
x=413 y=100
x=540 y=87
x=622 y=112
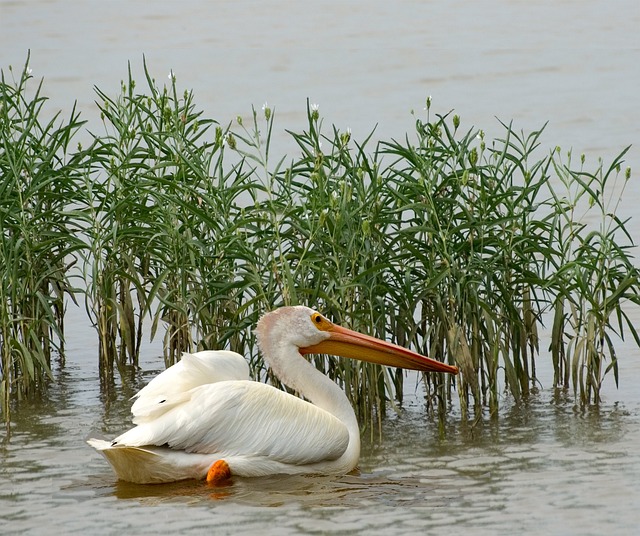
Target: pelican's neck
x=296 y=372
x=283 y=356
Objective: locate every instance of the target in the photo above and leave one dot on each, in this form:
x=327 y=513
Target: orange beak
x=347 y=343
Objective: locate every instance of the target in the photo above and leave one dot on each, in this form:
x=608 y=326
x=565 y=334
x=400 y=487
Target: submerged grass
x=447 y=242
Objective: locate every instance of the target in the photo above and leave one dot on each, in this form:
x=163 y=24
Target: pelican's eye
x=320 y=322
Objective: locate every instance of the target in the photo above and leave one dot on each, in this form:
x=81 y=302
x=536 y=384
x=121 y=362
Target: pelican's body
x=206 y=409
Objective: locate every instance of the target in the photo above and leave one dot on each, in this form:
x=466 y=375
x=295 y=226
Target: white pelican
x=204 y=417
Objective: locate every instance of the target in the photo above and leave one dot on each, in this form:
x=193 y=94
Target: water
x=543 y=467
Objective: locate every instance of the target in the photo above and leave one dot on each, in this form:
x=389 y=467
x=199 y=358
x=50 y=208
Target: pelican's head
x=312 y=333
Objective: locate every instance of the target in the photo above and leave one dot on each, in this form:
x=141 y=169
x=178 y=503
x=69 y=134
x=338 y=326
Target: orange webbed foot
x=219 y=474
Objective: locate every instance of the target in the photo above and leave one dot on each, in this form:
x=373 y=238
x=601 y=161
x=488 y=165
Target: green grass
x=445 y=241
x=38 y=235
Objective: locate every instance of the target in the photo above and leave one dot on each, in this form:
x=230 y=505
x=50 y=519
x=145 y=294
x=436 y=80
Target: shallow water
x=543 y=467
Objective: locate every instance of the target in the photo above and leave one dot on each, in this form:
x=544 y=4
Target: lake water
x=543 y=467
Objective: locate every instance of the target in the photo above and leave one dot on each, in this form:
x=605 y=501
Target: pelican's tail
x=152 y=465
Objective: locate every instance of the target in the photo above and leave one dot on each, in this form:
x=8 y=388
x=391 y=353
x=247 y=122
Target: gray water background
x=542 y=467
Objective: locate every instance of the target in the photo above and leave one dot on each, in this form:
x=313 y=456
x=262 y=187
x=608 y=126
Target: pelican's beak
x=347 y=343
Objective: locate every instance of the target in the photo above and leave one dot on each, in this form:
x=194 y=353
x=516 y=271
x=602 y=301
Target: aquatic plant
x=38 y=234
x=161 y=224
x=469 y=244
x=592 y=274
x=445 y=241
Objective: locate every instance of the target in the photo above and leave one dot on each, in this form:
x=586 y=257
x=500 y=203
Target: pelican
x=205 y=418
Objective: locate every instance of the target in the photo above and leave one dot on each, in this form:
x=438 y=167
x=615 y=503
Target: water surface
x=544 y=467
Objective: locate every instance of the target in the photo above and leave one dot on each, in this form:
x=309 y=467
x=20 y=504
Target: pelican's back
x=172 y=387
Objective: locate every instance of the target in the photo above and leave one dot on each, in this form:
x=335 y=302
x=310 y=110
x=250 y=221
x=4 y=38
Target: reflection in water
x=280 y=491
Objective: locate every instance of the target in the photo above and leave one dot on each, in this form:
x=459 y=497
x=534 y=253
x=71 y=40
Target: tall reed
x=445 y=241
x=469 y=245
x=116 y=206
x=38 y=234
x=161 y=223
x=593 y=276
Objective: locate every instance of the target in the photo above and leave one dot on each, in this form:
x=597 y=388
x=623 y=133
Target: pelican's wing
x=172 y=387
x=245 y=418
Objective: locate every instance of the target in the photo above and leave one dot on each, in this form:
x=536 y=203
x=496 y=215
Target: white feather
x=172 y=387
x=233 y=418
